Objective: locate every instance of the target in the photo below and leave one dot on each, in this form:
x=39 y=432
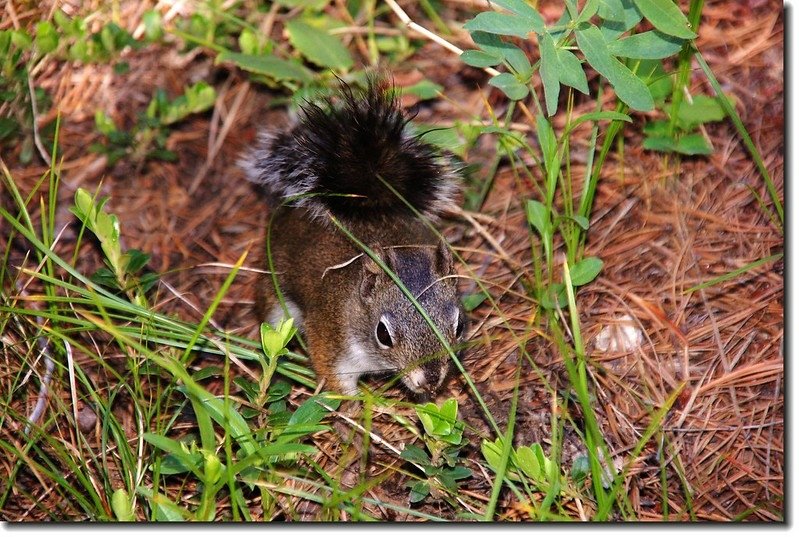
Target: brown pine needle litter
x=662 y=226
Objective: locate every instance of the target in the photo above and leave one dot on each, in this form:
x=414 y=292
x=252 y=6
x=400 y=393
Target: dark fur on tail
x=341 y=154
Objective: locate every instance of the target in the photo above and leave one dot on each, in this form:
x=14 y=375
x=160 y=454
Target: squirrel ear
x=444 y=262
x=372 y=271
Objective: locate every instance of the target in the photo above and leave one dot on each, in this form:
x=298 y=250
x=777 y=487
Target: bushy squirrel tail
x=353 y=156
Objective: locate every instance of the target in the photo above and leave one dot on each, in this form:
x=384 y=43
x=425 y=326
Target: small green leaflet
x=629 y=88
x=520 y=7
x=478 y=58
x=571 y=71
x=550 y=67
x=508 y=83
x=618 y=16
x=494 y=46
x=651 y=45
x=666 y=17
x=504 y=24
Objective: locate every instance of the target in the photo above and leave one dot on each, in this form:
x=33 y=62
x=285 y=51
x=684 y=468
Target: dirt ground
x=660 y=226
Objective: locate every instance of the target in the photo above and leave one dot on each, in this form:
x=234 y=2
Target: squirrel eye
x=383 y=335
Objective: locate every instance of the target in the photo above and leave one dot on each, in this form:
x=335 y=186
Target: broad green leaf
x=166 y=510
x=550 y=69
x=21 y=39
x=424 y=89
x=629 y=88
x=538 y=217
x=479 y=58
x=104 y=123
x=528 y=463
x=666 y=17
x=134 y=260
x=318 y=46
x=212 y=469
x=434 y=423
x=458 y=472
x=510 y=86
x=121 y=505
x=197 y=98
x=174 y=464
x=415 y=454
x=311 y=411
x=293 y=432
x=553 y=296
x=471 y=301
x=703 y=109
x=664 y=144
x=580 y=468
x=652 y=45
x=693 y=144
x=46 y=37
x=449 y=410
x=248 y=42
x=657 y=128
x=270 y=66
x=166 y=444
x=571 y=71
x=419 y=491
x=153 y=26
x=585 y=270
x=444 y=138
x=274 y=340
x=504 y=24
x=492 y=452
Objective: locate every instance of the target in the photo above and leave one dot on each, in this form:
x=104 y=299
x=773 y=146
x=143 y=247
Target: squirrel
x=351 y=162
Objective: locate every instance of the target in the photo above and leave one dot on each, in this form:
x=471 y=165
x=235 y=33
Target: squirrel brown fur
x=352 y=162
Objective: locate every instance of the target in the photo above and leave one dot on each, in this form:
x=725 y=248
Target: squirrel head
x=390 y=329
x=353 y=156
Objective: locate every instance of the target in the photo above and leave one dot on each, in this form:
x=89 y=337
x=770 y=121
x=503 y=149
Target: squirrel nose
x=427 y=376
